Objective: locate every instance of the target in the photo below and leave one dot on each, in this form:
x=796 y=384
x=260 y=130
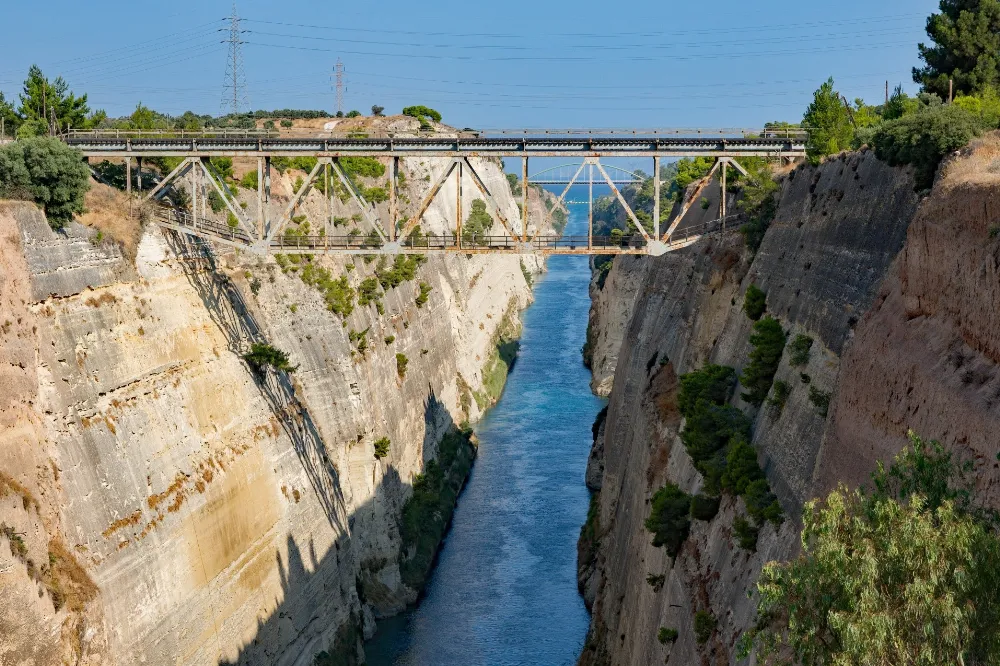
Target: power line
x=234 y=91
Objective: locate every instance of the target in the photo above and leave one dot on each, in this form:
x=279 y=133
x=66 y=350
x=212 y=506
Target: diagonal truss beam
x=227 y=195
x=562 y=197
x=179 y=172
x=489 y=198
x=621 y=200
x=687 y=204
x=426 y=203
x=363 y=205
x=286 y=217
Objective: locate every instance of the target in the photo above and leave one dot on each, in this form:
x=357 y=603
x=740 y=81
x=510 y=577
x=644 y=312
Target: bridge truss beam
x=394 y=235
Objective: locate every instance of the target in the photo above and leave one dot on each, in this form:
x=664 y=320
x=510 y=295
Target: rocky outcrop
x=823 y=261
x=222 y=514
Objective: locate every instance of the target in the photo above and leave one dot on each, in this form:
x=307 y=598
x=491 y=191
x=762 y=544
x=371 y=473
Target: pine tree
x=966 y=48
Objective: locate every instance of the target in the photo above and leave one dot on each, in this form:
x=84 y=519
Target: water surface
x=504 y=589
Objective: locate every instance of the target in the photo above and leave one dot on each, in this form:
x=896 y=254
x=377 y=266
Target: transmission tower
x=340 y=80
x=234 y=89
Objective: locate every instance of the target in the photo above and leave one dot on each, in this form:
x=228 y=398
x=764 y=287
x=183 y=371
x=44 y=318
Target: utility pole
x=234 y=90
x=338 y=74
x=951 y=90
x=887 y=92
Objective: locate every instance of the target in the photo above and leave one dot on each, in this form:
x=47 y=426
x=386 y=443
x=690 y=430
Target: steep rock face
x=611 y=309
x=838 y=228
x=926 y=355
x=224 y=515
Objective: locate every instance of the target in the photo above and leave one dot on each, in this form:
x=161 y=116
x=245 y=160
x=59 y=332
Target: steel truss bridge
x=261 y=234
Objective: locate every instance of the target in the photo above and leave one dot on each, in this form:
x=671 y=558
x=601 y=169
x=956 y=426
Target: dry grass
x=978 y=163
x=8 y=486
x=67 y=582
x=107 y=210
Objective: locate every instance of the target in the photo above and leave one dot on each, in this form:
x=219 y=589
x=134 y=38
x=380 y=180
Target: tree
x=754 y=302
x=143 y=118
x=377 y=110
x=966 y=48
x=829 y=121
x=669 y=518
x=11 y=120
x=478 y=224
x=263 y=355
x=768 y=340
x=354 y=113
x=901 y=576
x=48 y=172
x=41 y=100
x=420 y=111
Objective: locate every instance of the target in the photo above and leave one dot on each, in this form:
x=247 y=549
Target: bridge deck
x=98 y=145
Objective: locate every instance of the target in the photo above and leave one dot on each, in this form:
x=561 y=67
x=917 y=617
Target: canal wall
x=161 y=502
x=899 y=295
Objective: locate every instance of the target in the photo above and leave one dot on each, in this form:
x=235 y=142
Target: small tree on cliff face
x=829 y=121
x=966 y=48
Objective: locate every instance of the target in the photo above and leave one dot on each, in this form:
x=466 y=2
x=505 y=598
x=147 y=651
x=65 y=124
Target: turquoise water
x=504 y=590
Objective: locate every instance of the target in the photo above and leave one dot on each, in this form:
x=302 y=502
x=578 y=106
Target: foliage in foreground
x=48 y=172
x=908 y=574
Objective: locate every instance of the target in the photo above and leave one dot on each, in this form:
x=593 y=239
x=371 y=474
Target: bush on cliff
x=48 y=172
x=669 y=518
x=754 y=302
x=768 y=340
x=924 y=138
x=263 y=356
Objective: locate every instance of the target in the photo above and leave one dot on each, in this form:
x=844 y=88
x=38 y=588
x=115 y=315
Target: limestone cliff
x=190 y=509
x=894 y=293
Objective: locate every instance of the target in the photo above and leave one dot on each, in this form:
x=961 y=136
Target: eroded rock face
x=838 y=230
x=224 y=515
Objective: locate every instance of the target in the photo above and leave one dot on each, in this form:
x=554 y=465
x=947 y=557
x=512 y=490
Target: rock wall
x=222 y=515
x=823 y=261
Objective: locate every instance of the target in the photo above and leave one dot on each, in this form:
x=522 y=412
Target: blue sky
x=482 y=64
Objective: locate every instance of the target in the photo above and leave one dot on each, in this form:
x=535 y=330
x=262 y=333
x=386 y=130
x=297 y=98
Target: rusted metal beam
x=685 y=205
x=223 y=190
x=286 y=217
x=359 y=200
x=524 y=199
x=179 y=172
x=562 y=197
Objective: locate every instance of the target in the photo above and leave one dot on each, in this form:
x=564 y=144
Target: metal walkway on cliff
x=393 y=233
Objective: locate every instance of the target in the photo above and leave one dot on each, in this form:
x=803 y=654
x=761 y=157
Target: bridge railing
x=221 y=133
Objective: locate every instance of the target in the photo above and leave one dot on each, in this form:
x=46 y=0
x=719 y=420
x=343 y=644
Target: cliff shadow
x=328 y=603
x=226 y=306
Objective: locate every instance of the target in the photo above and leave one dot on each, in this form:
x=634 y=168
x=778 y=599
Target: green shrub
x=382 y=447
x=704 y=507
x=924 y=138
x=742 y=467
x=669 y=518
x=389 y=339
x=656 y=581
x=821 y=399
x=359 y=339
x=249 y=180
x=424 y=295
x=337 y=293
x=369 y=167
x=404 y=268
x=745 y=533
x=799 y=350
x=478 y=223
x=376 y=195
x=782 y=390
x=368 y=291
x=48 y=172
x=666 y=635
x=711 y=383
x=401 y=362
x=353 y=113
x=762 y=504
x=768 y=341
x=704 y=626
x=286 y=123
x=421 y=111
x=754 y=302
x=262 y=356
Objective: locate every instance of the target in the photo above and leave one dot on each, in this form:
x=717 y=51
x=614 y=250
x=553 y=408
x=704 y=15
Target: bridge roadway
x=98 y=145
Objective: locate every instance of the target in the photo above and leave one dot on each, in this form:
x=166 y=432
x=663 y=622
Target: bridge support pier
x=524 y=199
x=656 y=198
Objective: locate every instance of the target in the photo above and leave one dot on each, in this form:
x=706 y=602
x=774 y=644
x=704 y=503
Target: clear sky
x=516 y=63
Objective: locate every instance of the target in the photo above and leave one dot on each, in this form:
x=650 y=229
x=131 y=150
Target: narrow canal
x=504 y=590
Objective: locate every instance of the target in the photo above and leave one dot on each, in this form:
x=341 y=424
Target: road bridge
x=396 y=233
